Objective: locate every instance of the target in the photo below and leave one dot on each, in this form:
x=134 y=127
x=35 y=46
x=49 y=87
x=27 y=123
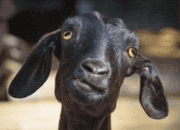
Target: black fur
x=93 y=65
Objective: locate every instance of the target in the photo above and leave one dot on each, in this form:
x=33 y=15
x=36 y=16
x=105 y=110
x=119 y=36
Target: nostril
x=87 y=68
x=103 y=72
x=97 y=67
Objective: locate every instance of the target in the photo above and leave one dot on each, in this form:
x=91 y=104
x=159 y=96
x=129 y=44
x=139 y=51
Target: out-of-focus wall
x=11 y=47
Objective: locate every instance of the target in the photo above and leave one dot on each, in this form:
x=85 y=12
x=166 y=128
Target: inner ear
x=36 y=68
x=152 y=98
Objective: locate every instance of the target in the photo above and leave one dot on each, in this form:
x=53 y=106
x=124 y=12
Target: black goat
x=95 y=55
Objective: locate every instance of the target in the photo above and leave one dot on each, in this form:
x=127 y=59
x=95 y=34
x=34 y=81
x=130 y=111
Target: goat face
x=93 y=61
x=95 y=55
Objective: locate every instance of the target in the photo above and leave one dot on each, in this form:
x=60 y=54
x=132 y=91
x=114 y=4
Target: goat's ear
x=152 y=97
x=36 y=68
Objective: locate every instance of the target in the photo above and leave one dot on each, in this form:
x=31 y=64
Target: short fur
x=93 y=65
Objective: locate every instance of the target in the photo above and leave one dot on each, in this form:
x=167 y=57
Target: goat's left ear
x=152 y=97
x=36 y=68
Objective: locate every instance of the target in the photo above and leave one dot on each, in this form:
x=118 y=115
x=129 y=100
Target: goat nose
x=96 y=67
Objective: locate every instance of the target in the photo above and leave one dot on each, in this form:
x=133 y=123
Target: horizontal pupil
x=67 y=33
x=133 y=51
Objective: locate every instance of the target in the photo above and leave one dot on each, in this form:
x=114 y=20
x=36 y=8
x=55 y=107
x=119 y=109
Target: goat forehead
x=92 y=30
x=117 y=34
x=92 y=23
x=123 y=36
x=92 y=26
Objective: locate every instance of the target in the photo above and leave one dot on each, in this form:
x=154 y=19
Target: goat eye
x=132 y=52
x=67 y=35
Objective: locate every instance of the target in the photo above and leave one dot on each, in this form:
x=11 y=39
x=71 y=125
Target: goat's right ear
x=152 y=95
x=36 y=68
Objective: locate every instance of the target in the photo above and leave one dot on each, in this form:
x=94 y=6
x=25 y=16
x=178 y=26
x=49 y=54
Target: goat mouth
x=85 y=93
x=85 y=86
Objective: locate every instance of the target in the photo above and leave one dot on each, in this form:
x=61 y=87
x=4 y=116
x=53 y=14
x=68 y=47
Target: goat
x=96 y=54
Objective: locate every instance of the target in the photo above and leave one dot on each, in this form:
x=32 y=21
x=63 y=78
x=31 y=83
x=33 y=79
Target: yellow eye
x=132 y=52
x=67 y=35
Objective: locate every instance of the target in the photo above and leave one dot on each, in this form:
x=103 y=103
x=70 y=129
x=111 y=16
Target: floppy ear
x=36 y=68
x=152 y=96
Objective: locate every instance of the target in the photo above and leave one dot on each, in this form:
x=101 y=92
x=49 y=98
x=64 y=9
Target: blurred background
x=23 y=22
